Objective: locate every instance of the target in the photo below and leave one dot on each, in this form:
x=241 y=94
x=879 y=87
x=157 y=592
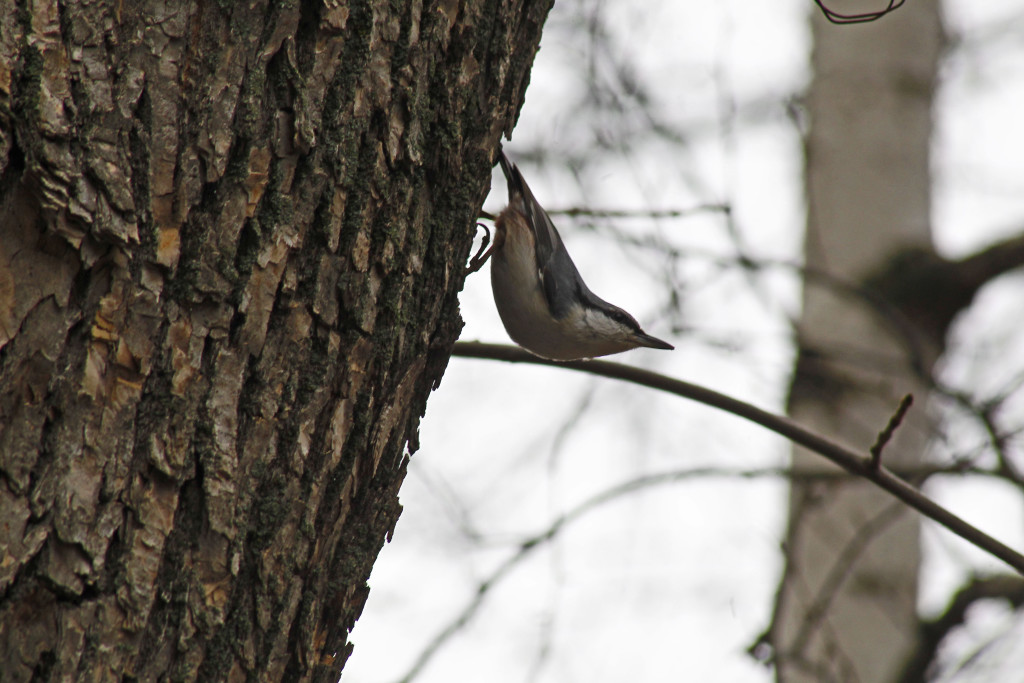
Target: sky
x=675 y=581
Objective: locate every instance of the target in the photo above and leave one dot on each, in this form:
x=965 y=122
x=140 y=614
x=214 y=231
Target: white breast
x=519 y=297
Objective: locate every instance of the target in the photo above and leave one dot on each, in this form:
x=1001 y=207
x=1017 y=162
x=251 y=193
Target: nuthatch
x=542 y=300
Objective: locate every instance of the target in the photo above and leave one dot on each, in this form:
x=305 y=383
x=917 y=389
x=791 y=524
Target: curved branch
x=861 y=18
x=844 y=456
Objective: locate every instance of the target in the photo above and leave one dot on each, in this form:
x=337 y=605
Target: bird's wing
x=557 y=272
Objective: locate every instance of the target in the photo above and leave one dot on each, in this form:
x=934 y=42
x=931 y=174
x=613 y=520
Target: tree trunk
x=846 y=606
x=231 y=241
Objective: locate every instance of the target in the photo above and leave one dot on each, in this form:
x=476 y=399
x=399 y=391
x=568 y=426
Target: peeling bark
x=232 y=237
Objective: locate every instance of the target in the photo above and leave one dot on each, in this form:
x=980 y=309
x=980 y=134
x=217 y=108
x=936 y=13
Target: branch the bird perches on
x=862 y=465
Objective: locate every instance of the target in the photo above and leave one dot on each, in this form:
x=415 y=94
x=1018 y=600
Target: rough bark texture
x=231 y=239
x=847 y=603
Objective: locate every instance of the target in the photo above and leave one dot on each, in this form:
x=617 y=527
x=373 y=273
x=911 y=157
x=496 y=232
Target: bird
x=542 y=300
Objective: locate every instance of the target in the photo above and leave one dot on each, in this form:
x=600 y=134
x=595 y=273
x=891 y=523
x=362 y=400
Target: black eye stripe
x=626 y=319
x=619 y=316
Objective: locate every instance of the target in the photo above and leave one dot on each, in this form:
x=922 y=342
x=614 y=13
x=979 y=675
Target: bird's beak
x=652 y=342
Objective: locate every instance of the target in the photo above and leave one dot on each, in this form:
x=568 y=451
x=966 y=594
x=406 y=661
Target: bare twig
x=1001 y=587
x=527 y=545
x=844 y=456
x=863 y=18
x=526 y=548
x=890 y=429
x=577 y=212
x=984 y=411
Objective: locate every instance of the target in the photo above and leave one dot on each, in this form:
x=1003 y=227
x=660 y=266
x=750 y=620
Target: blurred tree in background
x=847 y=605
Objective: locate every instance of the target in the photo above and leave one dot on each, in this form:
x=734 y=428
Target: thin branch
x=1002 y=587
x=862 y=18
x=984 y=412
x=577 y=212
x=844 y=456
x=460 y=518
x=528 y=544
x=526 y=548
x=886 y=434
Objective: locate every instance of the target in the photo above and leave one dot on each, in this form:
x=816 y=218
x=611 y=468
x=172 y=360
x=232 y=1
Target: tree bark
x=232 y=237
x=847 y=603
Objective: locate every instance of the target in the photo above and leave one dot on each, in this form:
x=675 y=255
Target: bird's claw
x=480 y=258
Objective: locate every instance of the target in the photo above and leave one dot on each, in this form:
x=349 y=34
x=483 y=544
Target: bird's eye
x=625 y=319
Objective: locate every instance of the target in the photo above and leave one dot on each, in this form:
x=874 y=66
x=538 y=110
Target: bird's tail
x=517 y=188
